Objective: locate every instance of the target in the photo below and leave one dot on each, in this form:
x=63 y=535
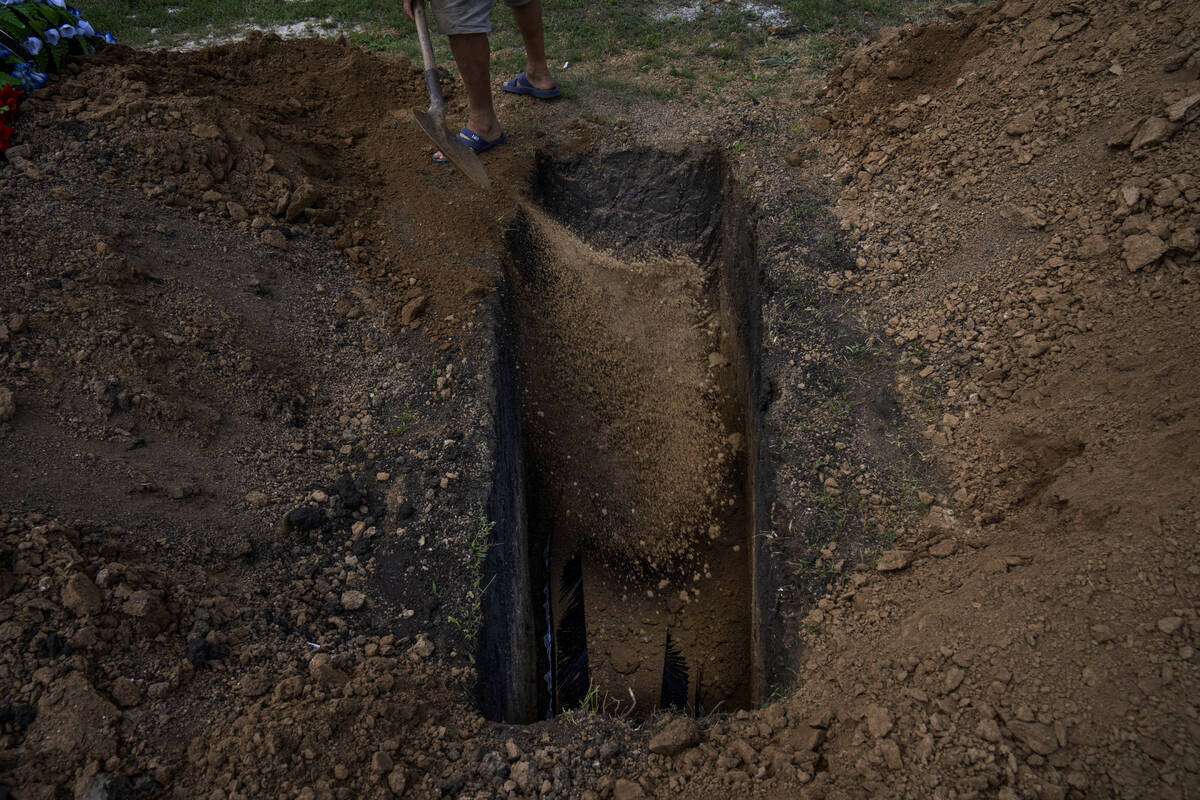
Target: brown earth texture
x=248 y=426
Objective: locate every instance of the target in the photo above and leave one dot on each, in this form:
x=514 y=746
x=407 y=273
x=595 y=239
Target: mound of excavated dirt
x=270 y=135
x=1023 y=184
x=240 y=710
x=246 y=477
x=97 y=615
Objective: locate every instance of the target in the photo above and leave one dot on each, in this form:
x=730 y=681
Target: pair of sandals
x=518 y=85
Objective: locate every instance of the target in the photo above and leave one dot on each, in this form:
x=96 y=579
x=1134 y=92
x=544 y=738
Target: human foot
x=474 y=141
x=542 y=88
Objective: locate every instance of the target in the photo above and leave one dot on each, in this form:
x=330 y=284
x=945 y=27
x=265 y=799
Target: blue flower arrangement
x=37 y=36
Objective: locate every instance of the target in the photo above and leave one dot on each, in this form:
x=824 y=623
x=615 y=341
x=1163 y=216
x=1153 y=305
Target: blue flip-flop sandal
x=476 y=142
x=521 y=85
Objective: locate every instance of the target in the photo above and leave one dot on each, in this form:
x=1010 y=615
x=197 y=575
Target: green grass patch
x=139 y=22
x=681 y=52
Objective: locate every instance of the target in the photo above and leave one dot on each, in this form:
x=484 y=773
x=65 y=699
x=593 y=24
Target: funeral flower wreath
x=37 y=37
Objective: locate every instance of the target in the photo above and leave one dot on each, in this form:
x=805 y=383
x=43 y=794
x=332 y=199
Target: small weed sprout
x=479 y=540
x=591 y=700
x=405 y=420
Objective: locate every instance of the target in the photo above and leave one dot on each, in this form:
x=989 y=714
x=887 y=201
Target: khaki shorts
x=466 y=16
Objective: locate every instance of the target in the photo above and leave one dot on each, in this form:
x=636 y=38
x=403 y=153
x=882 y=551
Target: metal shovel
x=433 y=121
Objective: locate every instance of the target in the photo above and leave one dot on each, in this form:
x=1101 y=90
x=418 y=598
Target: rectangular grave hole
x=625 y=499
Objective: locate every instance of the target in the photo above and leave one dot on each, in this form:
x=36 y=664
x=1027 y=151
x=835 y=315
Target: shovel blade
x=452 y=147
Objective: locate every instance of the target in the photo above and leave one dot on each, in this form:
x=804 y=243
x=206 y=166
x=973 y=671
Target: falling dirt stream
x=636 y=475
x=623 y=576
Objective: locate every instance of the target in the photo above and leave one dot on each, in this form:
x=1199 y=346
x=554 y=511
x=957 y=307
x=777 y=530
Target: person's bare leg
x=529 y=22
x=472 y=54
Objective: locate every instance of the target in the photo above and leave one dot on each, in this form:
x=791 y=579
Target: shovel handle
x=436 y=103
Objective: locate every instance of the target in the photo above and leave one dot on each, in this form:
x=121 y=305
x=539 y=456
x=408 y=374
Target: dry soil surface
x=242 y=471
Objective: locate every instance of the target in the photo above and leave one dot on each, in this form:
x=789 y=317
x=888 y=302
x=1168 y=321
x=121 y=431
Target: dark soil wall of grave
x=680 y=228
